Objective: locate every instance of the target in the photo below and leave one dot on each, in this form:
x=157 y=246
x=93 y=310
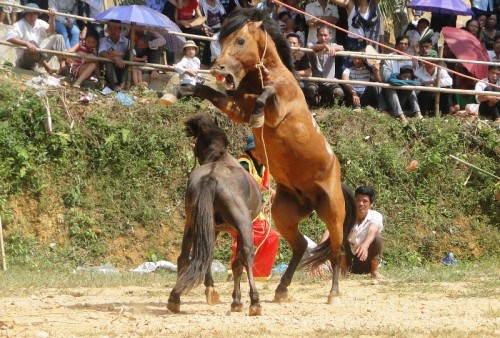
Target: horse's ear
x=254 y=25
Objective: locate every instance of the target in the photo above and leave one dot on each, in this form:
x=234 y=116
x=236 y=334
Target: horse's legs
x=174 y=301
x=287 y=212
x=331 y=209
x=223 y=102
x=257 y=118
x=211 y=293
x=244 y=257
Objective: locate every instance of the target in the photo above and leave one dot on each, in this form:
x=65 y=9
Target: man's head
x=496 y=44
x=293 y=39
x=29 y=14
x=114 y=30
x=365 y=196
x=324 y=34
x=402 y=43
x=493 y=72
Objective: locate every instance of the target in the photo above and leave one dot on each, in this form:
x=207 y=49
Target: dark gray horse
x=220 y=196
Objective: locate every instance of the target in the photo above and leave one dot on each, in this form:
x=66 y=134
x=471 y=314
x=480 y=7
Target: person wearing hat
x=398 y=98
x=415 y=34
x=189 y=65
x=265 y=238
x=34 y=33
x=426 y=75
x=391 y=73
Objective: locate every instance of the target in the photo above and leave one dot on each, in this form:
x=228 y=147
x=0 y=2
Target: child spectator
x=137 y=72
x=358 y=95
x=81 y=68
x=189 y=65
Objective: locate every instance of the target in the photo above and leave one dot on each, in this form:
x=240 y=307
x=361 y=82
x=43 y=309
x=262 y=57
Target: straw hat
x=370 y=50
x=190 y=43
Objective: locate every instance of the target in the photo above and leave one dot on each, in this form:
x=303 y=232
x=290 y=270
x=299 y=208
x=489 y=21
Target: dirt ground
x=365 y=309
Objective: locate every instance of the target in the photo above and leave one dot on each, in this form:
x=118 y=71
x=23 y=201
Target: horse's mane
x=211 y=141
x=241 y=16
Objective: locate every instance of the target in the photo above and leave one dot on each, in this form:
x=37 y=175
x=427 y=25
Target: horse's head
x=249 y=38
x=210 y=141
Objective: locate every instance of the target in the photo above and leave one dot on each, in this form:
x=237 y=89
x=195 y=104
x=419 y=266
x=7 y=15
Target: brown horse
x=220 y=196
x=255 y=66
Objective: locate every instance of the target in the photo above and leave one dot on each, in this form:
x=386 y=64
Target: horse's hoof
x=237 y=307
x=281 y=297
x=168 y=99
x=332 y=298
x=256 y=121
x=255 y=310
x=174 y=307
x=212 y=296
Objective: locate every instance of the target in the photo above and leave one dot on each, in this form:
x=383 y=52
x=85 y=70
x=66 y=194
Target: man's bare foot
x=117 y=88
x=403 y=118
x=154 y=74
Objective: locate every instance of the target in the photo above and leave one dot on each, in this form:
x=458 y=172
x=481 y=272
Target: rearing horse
x=255 y=66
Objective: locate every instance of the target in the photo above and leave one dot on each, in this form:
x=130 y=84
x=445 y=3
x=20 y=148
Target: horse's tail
x=323 y=251
x=203 y=239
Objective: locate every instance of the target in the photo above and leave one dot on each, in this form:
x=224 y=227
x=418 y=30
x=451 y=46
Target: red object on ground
x=467 y=47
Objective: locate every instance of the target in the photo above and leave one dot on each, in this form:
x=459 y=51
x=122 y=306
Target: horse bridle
x=260 y=65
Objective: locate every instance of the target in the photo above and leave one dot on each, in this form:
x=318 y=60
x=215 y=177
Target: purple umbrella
x=145 y=17
x=450 y=7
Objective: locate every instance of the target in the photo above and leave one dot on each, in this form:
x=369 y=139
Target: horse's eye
x=240 y=42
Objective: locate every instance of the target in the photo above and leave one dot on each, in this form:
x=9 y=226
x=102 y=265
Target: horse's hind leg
x=211 y=293
x=245 y=257
x=174 y=300
x=287 y=212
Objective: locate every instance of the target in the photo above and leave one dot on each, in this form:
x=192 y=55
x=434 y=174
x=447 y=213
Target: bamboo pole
x=473 y=166
x=4 y=264
x=149 y=66
x=437 y=111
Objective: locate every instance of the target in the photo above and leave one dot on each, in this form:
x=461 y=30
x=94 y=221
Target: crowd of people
x=414 y=35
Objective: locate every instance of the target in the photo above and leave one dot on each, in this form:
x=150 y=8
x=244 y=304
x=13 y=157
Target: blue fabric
x=250 y=143
x=395 y=81
x=70 y=34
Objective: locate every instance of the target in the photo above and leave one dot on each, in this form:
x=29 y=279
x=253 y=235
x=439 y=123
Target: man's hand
x=31 y=47
x=191 y=72
x=52 y=12
x=355 y=100
x=362 y=252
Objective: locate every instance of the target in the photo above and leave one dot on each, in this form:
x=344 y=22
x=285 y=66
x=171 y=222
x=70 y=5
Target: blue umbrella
x=450 y=7
x=145 y=17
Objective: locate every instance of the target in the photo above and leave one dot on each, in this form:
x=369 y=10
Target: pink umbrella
x=467 y=47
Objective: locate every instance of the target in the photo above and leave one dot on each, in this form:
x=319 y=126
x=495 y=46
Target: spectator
x=393 y=96
x=189 y=65
x=414 y=36
x=149 y=44
x=426 y=76
x=115 y=47
x=214 y=12
x=270 y=7
x=482 y=21
x=6 y=10
x=398 y=98
x=489 y=32
x=472 y=26
x=364 y=19
x=190 y=20
x=66 y=26
x=81 y=68
x=284 y=18
x=89 y=9
x=358 y=95
x=482 y=7
x=495 y=53
x=363 y=247
x=34 y=33
x=322 y=61
x=301 y=62
x=231 y=5
x=265 y=238
x=323 y=10
x=400 y=17
x=489 y=105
